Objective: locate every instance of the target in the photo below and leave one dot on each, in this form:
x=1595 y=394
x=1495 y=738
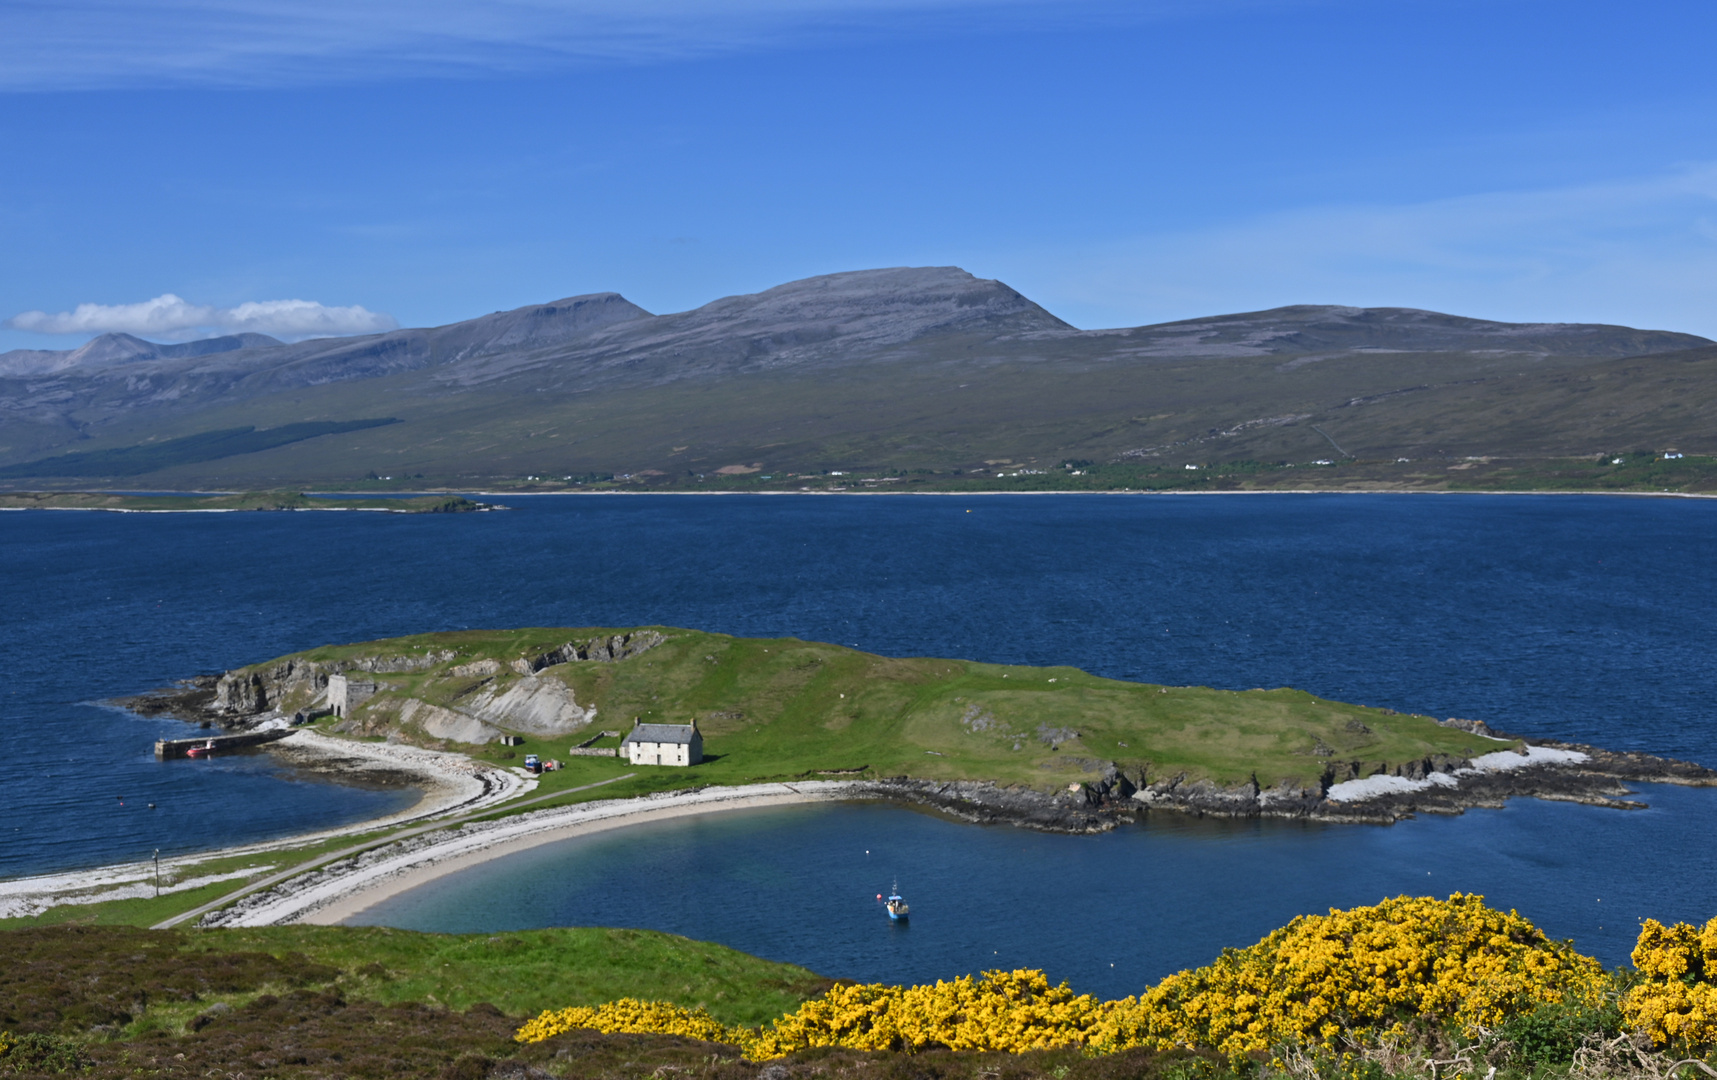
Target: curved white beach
x=343 y=890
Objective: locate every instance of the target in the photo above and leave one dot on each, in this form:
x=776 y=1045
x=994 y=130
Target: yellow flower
x=1676 y=1001
x=1362 y=974
x=627 y=1015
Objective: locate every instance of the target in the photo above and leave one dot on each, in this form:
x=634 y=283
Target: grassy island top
x=249 y=500
x=781 y=708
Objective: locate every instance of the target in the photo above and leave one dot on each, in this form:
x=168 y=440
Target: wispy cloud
x=169 y=316
x=1641 y=252
x=79 y=44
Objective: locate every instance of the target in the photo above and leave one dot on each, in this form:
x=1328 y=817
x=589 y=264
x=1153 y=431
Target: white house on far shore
x=663 y=744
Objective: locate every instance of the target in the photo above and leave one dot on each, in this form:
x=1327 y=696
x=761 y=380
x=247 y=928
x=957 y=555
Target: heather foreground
x=1411 y=987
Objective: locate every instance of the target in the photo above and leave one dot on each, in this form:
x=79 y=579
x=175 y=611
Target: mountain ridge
x=812 y=317
x=119 y=348
x=927 y=368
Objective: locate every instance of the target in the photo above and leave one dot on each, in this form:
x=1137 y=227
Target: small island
x=1049 y=747
x=124 y=502
x=515 y=738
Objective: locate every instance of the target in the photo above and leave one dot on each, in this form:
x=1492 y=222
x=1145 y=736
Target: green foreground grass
x=315 y=1002
x=128 y=981
x=310 y=1003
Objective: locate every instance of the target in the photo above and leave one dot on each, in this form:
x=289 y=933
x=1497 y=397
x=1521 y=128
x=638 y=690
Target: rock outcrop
x=985 y=802
x=1118 y=796
x=536 y=702
x=535 y=705
x=440 y=723
x=603 y=649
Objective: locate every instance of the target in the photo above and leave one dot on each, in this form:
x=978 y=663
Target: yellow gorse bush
x=1359 y=974
x=1012 y=1011
x=1363 y=974
x=1675 y=1001
x=628 y=1015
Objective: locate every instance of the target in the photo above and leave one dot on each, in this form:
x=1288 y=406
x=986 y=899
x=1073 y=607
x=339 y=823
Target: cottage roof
x=661 y=733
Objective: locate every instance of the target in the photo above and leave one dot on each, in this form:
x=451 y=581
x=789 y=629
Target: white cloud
x=1639 y=252
x=169 y=316
x=59 y=44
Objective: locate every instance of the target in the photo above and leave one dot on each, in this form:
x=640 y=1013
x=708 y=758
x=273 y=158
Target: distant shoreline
x=1248 y=491
x=207 y=510
x=248 y=502
x=773 y=493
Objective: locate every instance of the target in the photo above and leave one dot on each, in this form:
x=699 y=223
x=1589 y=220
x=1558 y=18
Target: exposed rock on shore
x=982 y=802
x=1597 y=779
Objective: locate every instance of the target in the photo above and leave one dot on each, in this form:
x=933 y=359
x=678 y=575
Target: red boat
x=205 y=750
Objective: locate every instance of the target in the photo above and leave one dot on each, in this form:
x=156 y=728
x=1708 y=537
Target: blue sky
x=1119 y=163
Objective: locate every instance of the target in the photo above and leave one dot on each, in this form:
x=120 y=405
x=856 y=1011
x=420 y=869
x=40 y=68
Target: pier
x=178 y=748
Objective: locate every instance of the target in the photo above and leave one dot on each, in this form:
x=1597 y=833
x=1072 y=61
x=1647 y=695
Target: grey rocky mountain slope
x=1306 y=329
x=116 y=348
x=179 y=372
x=604 y=338
x=583 y=342
x=825 y=318
x=882 y=362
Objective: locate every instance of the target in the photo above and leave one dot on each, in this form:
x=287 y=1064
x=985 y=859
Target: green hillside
x=925 y=377
x=773 y=708
x=926 y=414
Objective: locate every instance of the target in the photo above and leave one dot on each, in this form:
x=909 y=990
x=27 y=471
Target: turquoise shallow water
x=1569 y=617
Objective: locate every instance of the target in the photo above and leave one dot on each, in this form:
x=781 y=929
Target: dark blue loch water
x=1110 y=914
x=1569 y=617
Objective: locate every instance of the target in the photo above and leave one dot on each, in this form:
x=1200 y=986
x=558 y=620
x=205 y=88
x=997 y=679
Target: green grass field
x=783 y=708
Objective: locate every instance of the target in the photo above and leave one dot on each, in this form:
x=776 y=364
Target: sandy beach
x=340 y=884
x=449 y=784
x=342 y=890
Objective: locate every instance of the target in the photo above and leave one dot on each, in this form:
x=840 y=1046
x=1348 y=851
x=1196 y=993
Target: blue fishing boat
x=896 y=905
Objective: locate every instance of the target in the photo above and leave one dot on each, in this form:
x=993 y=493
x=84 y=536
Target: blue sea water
x=1580 y=618
x=1109 y=914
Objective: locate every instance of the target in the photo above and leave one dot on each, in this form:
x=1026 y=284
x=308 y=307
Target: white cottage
x=663 y=744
